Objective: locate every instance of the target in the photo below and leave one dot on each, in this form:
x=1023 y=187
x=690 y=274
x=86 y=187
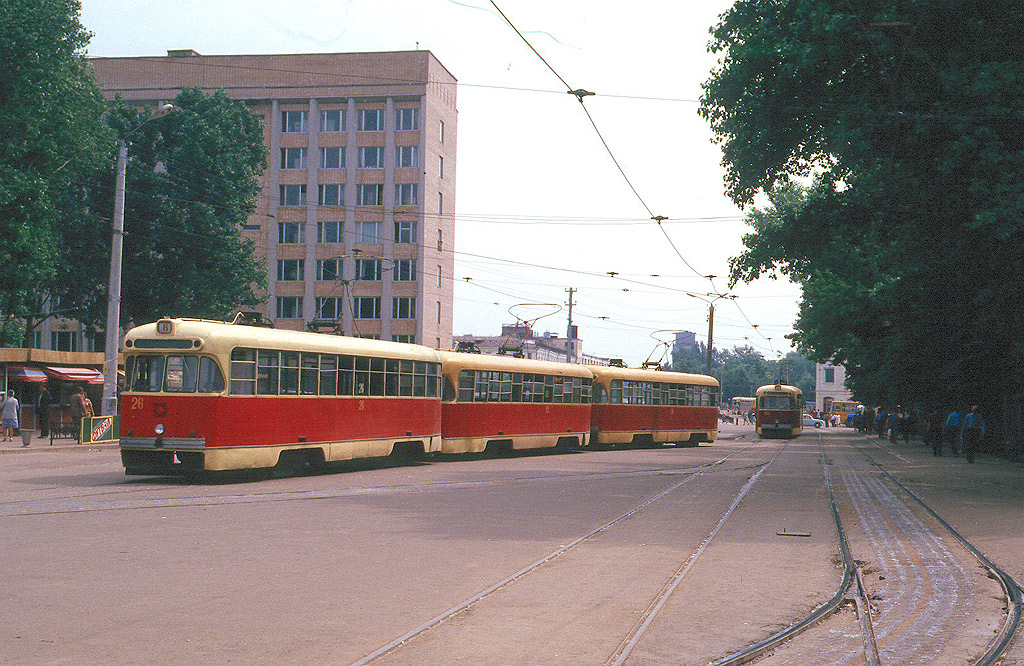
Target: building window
x=830 y=375
x=36 y=340
x=407 y=156
x=410 y=339
x=440 y=131
x=290 y=233
x=290 y=270
x=440 y=203
x=407 y=119
x=403 y=307
x=330 y=195
x=440 y=240
x=366 y=307
x=405 y=270
x=371 y=120
x=368 y=269
x=370 y=195
x=439 y=275
x=439 y=312
x=404 y=232
x=440 y=166
x=328 y=270
x=289 y=307
x=328 y=307
x=64 y=341
x=406 y=194
x=371 y=157
x=368 y=232
x=332 y=120
x=332 y=157
x=293 y=158
x=293 y=195
x=328 y=232
x=293 y=121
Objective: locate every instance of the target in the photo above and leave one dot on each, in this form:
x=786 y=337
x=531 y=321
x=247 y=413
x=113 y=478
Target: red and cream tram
x=779 y=411
x=502 y=403
x=202 y=395
x=651 y=407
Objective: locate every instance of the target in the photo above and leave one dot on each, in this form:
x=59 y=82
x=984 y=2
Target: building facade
x=520 y=339
x=356 y=214
x=830 y=384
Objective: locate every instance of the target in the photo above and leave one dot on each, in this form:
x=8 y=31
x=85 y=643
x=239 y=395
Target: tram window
x=517 y=387
x=268 y=365
x=419 y=385
x=586 y=391
x=362 y=376
x=405 y=384
x=129 y=368
x=549 y=389
x=180 y=374
x=391 y=377
x=328 y=374
x=243 y=371
x=149 y=372
x=432 y=380
x=376 y=376
x=505 y=394
x=467 y=382
x=309 y=370
x=289 y=373
x=616 y=391
x=577 y=389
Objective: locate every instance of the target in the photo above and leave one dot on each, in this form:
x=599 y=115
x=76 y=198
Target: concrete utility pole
x=570 y=356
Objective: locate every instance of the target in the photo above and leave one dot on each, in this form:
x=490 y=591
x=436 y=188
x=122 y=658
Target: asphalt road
x=667 y=556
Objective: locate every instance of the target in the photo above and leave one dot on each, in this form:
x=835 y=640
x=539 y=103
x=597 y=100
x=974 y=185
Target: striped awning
x=87 y=375
x=21 y=373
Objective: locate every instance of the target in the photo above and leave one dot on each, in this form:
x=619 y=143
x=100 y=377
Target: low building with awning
x=23 y=371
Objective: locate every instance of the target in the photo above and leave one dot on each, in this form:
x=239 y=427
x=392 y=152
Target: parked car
x=811 y=421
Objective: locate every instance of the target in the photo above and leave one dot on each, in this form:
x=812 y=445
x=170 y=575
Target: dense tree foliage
x=192 y=182
x=51 y=140
x=878 y=144
x=741 y=370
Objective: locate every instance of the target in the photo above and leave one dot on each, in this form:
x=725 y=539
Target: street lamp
x=113 y=341
x=711 y=320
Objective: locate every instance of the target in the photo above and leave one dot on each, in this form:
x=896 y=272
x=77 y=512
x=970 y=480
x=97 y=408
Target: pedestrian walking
x=9 y=414
x=953 y=423
x=79 y=407
x=880 y=422
x=43 y=403
x=894 y=424
x=973 y=431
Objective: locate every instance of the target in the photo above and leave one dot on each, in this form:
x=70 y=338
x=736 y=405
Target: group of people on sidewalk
x=10 y=409
x=962 y=431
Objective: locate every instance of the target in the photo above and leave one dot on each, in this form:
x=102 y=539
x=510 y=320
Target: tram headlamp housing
x=159 y=428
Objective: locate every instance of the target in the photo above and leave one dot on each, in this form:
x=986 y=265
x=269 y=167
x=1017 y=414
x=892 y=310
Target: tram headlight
x=159 y=428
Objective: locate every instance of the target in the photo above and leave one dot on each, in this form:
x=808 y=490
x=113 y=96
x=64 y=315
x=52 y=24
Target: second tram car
x=203 y=395
x=501 y=403
x=779 y=411
x=652 y=408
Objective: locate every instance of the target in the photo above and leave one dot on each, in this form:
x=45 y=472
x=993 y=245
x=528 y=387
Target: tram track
x=926 y=601
x=638 y=629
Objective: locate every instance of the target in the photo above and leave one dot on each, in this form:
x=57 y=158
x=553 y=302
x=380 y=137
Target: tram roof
x=219 y=336
x=658 y=376
x=460 y=360
x=778 y=388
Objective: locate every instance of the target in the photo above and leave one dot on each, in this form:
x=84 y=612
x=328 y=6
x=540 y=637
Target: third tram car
x=652 y=408
x=779 y=411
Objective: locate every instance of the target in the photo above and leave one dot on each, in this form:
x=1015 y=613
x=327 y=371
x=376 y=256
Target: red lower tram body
x=243 y=432
x=779 y=423
x=650 y=425
x=475 y=427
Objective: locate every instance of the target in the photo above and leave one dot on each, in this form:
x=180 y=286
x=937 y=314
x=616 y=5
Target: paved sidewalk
x=38 y=443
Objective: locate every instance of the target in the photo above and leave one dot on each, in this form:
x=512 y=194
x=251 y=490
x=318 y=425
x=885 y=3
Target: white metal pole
x=113 y=341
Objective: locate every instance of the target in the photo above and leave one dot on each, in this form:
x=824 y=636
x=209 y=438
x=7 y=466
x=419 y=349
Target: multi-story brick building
x=355 y=219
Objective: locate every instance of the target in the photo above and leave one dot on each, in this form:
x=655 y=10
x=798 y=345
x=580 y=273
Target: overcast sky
x=540 y=204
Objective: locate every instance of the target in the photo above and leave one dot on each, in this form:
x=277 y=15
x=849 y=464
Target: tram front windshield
x=777 y=402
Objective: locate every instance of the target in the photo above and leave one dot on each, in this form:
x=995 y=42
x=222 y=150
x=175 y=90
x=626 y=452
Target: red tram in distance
x=208 y=396
x=779 y=411
x=500 y=404
x=652 y=408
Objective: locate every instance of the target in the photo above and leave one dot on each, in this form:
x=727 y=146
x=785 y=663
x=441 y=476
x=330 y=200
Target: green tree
x=192 y=182
x=51 y=141
x=884 y=138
